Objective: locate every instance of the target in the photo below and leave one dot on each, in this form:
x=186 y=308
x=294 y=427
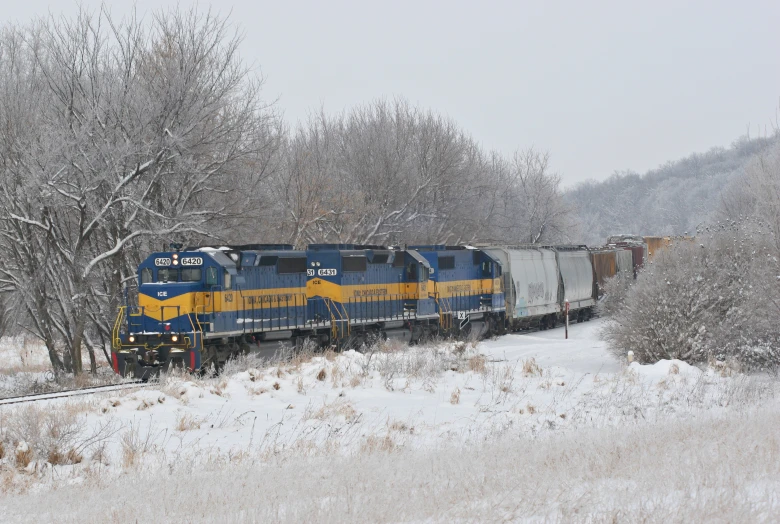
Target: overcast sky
x=603 y=86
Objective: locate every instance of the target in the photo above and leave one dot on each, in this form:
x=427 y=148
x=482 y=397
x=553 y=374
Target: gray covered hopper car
x=576 y=275
x=538 y=280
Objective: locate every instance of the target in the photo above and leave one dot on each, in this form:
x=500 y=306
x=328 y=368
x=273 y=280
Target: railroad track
x=74 y=392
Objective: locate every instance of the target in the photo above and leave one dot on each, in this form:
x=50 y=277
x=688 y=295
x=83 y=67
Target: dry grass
x=109 y=403
x=147 y=403
x=187 y=422
x=376 y=444
x=256 y=391
x=220 y=386
x=336 y=376
x=57 y=458
x=400 y=427
x=455 y=396
x=134 y=444
x=459 y=348
x=477 y=364
x=339 y=408
x=531 y=368
x=24 y=455
x=39 y=431
x=322 y=375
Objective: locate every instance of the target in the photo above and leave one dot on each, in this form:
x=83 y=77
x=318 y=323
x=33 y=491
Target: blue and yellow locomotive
x=467 y=288
x=371 y=290
x=199 y=306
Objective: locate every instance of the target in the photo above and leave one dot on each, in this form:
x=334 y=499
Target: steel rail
x=74 y=392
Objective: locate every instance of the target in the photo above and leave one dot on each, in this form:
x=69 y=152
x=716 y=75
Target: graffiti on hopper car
x=535 y=291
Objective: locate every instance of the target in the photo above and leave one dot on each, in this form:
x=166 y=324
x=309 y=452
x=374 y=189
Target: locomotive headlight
x=131 y=339
x=175 y=262
x=175 y=256
x=174 y=338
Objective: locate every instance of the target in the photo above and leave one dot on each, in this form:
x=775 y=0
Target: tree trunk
x=92 y=361
x=75 y=348
x=68 y=361
x=54 y=358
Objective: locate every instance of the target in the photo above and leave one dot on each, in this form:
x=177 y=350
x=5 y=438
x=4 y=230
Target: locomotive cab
x=163 y=327
x=201 y=306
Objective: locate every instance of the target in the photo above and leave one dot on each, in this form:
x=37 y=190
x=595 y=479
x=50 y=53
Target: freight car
x=608 y=263
x=656 y=245
x=636 y=244
x=539 y=280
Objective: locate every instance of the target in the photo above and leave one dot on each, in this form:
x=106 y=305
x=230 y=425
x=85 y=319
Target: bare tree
x=130 y=133
x=387 y=172
x=530 y=208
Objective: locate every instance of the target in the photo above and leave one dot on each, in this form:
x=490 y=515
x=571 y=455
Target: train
x=199 y=306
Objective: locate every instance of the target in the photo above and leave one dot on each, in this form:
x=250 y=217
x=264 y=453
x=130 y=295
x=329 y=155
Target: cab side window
x=228 y=281
x=211 y=276
x=411 y=272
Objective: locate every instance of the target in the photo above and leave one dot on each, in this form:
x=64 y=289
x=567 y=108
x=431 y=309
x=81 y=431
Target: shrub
x=716 y=299
x=45 y=433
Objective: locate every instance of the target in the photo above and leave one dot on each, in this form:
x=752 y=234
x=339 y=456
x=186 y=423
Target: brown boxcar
x=656 y=244
x=638 y=253
x=604 y=267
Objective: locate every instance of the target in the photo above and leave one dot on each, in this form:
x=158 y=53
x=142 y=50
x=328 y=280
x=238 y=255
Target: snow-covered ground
x=22 y=353
x=519 y=396
x=25 y=368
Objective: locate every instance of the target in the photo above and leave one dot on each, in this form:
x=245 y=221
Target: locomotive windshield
x=165 y=274
x=191 y=274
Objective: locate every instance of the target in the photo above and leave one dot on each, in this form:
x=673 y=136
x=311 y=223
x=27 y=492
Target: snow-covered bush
x=715 y=298
x=615 y=292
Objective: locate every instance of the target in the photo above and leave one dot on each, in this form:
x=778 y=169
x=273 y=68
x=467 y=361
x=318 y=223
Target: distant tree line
x=673 y=199
x=119 y=136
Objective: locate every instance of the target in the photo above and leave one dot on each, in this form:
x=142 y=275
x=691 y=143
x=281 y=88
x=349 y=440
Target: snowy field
x=525 y=426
